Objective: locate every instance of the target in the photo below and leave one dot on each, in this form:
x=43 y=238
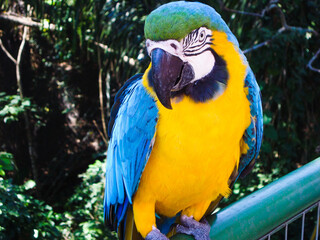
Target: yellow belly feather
x=197 y=147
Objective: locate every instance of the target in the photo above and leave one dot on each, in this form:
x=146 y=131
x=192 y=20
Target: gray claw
x=200 y=230
x=155 y=234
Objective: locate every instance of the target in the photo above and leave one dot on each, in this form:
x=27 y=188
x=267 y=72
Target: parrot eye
x=202 y=36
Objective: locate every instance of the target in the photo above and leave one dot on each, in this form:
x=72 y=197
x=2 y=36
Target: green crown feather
x=176 y=19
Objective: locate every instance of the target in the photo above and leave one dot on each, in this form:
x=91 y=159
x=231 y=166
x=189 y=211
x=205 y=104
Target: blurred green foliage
x=6 y=163
x=12 y=108
x=23 y=216
x=60 y=79
x=84 y=210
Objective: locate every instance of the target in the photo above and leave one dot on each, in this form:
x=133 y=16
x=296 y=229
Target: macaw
x=182 y=132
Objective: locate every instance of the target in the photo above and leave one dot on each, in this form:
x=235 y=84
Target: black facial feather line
x=210 y=85
x=193 y=38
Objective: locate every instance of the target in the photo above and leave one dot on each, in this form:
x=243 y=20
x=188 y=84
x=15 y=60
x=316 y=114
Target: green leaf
x=271 y=133
x=6 y=161
x=266 y=119
x=29 y=184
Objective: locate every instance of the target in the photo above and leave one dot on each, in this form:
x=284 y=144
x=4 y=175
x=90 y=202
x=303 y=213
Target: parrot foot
x=155 y=234
x=200 y=230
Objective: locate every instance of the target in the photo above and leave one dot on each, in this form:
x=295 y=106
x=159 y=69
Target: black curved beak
x=165 y=73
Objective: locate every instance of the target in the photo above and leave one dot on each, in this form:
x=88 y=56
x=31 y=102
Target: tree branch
x=223 y=7
x=108 y=90
x=103 y=46
x=255 y=47
x=7 y=52
x=265 y=43
x=17 y=62
x=312 y=60
x=284 y=21
x=26 y=21
x=31 y=150
x=25 y=29
x=260 y=15
x=101 y=134
x=103 y=119
x=284 y=27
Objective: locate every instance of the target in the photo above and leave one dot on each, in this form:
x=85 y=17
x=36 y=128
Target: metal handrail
x=263 y=211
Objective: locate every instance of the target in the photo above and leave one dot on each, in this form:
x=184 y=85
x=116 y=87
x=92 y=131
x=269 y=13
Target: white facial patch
x=202 y=64
x=195 y=49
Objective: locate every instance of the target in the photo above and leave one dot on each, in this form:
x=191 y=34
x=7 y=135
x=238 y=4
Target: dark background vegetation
x=52 y=128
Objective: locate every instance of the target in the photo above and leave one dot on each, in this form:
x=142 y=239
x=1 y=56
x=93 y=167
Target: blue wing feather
x=253 y=134
x=118 y=100
x=131 y=128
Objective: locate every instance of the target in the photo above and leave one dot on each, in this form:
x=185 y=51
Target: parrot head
x=180 y=39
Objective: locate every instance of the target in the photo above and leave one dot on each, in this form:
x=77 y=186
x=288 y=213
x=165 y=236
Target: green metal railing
x=271 y=208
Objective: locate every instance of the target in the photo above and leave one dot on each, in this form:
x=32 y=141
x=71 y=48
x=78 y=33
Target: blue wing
x=253 y=134
x=131 y=130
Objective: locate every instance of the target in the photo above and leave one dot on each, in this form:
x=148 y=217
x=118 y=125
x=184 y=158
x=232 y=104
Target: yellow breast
x=197 y=147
